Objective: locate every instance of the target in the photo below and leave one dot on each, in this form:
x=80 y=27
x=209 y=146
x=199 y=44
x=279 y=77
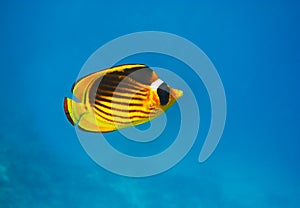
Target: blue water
x=255 y=47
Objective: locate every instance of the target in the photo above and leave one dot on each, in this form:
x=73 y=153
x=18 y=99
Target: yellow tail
x=73 y=110
x=78 y=114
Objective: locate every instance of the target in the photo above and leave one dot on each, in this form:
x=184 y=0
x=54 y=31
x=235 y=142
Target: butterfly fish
x=118 y=97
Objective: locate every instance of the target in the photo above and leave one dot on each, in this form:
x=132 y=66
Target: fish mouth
x=176 y=94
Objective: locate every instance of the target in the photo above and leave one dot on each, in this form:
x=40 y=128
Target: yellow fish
x=118 y=97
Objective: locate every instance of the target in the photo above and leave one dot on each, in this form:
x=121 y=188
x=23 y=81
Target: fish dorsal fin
x=138 y=72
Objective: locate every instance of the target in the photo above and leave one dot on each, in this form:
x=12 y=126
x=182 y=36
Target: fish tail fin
x=78 y=114
x=73 y=110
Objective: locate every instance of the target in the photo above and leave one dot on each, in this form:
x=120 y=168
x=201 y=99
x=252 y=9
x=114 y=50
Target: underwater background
x=254 y=45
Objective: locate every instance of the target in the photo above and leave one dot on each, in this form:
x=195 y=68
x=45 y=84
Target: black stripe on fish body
x=109 y=93
x=132 y=117
x=108 y=117
x=121 y=77
x=115 y=88
x=102 y=99
x=118 y=119
x=108 y=108
x=120 y=83
x=115 y=83
x=102 y=115
x=109 y=90
x=115 y=95
x=121 y=98
x=124 y=94
x=113 y=121
x=81 y=88
x=142 y=74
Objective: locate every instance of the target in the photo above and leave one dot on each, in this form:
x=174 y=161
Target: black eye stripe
x=163 y=92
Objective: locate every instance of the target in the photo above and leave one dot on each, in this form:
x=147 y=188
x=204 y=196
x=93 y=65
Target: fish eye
x=163 y=92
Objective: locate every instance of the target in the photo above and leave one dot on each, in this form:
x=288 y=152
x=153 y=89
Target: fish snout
x=175 y=93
